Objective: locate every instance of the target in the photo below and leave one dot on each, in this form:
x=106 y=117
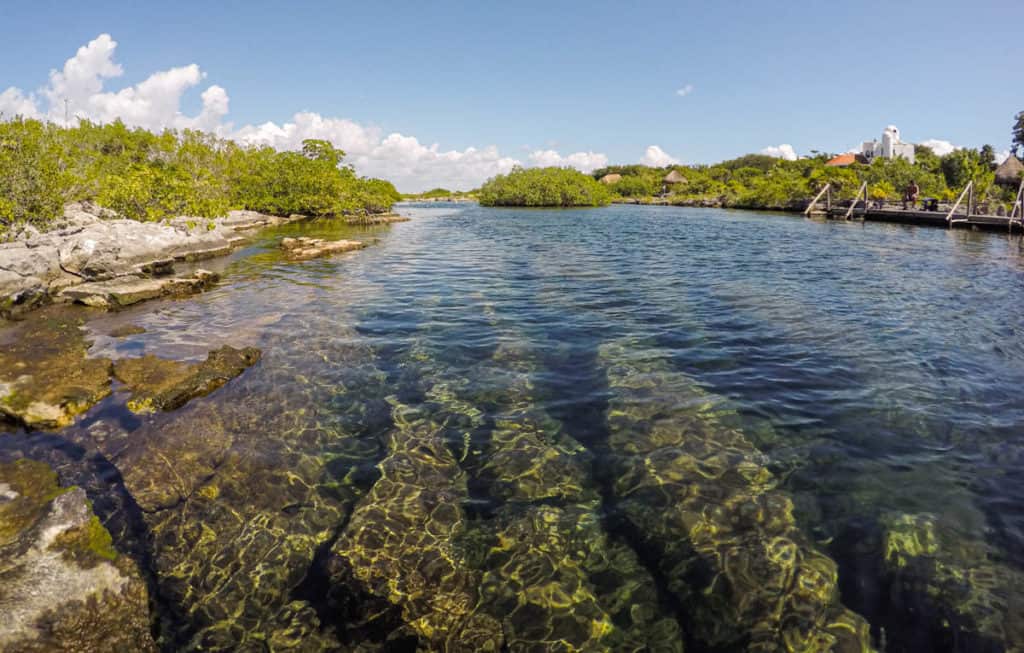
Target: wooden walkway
x=862 y=208
x=929 y=218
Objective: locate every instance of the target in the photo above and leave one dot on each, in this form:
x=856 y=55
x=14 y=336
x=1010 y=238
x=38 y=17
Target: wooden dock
x=929 y=218
x=862 y=208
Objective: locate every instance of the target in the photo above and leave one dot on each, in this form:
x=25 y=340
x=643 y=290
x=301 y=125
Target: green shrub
x=544 y=187
x=147 y=176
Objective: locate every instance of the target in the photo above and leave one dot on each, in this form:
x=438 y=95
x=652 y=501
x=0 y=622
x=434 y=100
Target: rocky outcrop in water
x=160 y=384
x=47 y=378
x=91 y=244
x=301 y=249
x=65 y=587
x=132 y=289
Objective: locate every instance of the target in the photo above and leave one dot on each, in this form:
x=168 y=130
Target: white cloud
x=1001 y=156
x=684 y=91
x=15 y=103
x=656 y=157
x=155 y=103
x=583 y=161
x=784 y=151
x=940 y=147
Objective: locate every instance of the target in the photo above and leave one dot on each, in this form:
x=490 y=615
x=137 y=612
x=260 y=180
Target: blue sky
x=595 y=78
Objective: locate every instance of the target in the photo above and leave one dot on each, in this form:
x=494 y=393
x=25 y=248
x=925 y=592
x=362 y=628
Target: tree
x=1018 y=133
x=321 y=150
x=987 y=154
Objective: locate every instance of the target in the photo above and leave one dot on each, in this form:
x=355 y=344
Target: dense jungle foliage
x=544 y=187
x=148 y=176
x=760 y=181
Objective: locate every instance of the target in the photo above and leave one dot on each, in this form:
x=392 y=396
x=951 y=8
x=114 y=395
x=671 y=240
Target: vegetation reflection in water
x=536 y=454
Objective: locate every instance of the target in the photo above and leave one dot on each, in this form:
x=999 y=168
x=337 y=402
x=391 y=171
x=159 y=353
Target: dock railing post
x=1018 y=207
x=814 y=202
x=949 y=216
x=863 y=189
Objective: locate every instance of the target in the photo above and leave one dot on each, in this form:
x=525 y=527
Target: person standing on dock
x=911 y=195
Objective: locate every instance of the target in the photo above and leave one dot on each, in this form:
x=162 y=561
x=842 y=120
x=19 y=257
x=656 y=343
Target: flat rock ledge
x=128 y=290
x=91 y=244
x=377 y=218
x=65 y=587
x=307 y=248
x=47 y=378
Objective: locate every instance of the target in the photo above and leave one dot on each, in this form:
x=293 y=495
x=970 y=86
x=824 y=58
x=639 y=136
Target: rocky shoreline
x=94 y=257
x=91 y=245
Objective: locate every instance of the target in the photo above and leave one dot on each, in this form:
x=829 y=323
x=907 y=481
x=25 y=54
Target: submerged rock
x=65 y=588
x=700 y=500
x=128 y=290
x=958 y=585
x=159 y=384
x=406 y=545
x=305 y=248
x=46 y=379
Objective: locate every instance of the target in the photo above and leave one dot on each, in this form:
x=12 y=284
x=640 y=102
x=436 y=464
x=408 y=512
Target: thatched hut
x=1010 y=171
x=674 y=178
x=610 y=178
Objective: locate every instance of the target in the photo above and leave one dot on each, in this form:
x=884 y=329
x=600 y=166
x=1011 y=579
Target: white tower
x=890 y=139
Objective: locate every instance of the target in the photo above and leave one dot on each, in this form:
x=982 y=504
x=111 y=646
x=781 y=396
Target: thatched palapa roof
x=1009 y=171
x=610 y=178
x=674 y=178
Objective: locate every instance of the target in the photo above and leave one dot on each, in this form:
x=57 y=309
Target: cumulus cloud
x=1001 y=156
x=155 y=103
x=938 y=146
x=784 y=151
x=583 y=161
x=656 y=157
x=685 y=90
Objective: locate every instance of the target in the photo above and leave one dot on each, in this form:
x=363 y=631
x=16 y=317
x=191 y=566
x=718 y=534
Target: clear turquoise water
x=875 y=370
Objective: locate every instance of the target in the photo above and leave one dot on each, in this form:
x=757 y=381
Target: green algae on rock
x=46 y=378
x=159 y=384
x=701 y=500
x=65 y=588
x=956 y=582
x=405 y=541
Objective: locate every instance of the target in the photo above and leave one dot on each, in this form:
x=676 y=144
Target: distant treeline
x=148 y=176
x=544 y=187
x=760 y=181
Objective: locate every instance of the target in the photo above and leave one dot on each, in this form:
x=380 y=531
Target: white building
x=889 y=147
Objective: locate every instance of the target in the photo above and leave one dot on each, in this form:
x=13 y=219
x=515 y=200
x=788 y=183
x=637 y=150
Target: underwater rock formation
x=406 y=542
x=159 y=384
x=700 y=499
x=64 y=587
x=956 y=584
x=45 y=377
x=238 y=500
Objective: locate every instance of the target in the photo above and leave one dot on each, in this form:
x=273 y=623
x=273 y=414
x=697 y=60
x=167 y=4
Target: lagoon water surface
x=626 y=429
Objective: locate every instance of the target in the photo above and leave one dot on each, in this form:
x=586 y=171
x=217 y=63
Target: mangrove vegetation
x=148 y=176
x=544 y=187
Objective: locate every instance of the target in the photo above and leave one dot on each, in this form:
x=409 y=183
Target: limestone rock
x=65 y=588
x=305 y=248
x=159 y=384
x=45 y=377
x=128 y=290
